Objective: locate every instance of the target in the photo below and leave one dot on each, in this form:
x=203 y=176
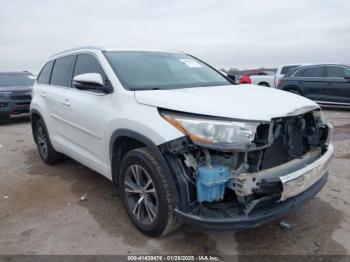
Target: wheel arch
x=263 y=83
x=34 y=116
x=124 y=140
x=293 y=87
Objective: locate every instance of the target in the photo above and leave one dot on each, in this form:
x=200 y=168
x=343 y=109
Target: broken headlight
x=319 y=117
x=224 y=134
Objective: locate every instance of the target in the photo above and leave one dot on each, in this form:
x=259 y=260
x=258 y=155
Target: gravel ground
x=41 y=211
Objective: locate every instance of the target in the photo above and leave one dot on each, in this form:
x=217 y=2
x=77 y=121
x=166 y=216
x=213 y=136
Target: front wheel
x=145 y=194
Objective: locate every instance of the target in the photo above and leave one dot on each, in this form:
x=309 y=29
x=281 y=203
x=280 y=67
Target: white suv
x=181 y=142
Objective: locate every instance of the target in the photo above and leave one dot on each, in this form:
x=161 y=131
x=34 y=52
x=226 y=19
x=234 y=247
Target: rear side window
x=44 y=76
x=311 y=72
x=286 y=69
x=87 y=64
x=61 y=72
x=337 y=71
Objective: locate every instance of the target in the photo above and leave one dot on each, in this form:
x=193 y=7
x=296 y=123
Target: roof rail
x=78 y=48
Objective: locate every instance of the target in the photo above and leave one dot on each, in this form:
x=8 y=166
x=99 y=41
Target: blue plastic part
x=211 y=182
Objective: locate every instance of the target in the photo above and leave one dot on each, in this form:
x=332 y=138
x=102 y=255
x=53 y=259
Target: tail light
x=245 y=79
x=279 y=82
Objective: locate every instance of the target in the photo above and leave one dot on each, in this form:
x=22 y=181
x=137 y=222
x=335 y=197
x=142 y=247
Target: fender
x=34 y=111
x=115 y=159
x=294 y=87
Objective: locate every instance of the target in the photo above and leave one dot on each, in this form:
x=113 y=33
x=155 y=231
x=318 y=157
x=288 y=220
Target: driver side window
x=336 y=71
x=87 y=63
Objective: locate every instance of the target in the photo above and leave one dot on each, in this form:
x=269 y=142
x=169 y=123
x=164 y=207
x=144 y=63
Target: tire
x=294 y=91
x=149 y=207
x=46 y=151
x=264 y=84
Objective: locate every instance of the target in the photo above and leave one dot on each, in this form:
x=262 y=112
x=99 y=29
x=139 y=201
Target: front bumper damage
x=244 y=189
x=298 y=188
x=258 y=217
x=302 y=179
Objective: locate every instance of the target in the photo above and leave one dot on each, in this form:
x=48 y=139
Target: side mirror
x=347 y=77
x=232 y=77
x=90 y=81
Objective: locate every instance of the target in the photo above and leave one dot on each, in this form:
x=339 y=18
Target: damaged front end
x=231 y=170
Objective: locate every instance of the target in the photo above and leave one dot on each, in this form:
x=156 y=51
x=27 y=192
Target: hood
x=248 y=102
x=15 y=88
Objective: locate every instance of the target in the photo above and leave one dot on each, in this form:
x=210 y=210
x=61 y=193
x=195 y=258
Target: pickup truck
x=269 y=80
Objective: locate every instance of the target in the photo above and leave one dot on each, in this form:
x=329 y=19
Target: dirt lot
x=41 y=211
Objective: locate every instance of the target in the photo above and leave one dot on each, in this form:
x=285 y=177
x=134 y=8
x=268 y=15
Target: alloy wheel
x=42 y=142
x=141 y=195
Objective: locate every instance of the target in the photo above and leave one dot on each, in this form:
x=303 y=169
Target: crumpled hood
x=248 y=102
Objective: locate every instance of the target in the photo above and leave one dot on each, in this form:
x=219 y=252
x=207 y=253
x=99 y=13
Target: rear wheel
x=294 y=92
x=264 y=84
x=46 y=151
x=145 y=194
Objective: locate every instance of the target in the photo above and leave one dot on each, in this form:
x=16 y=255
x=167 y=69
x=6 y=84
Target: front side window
x=337 y=71
x=311 y=72
x=44 y=76
x=15 y=79
x=87 y=64
x=61 y=72
x=142 y=70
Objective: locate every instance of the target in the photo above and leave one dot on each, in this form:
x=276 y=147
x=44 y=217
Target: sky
x=224 y=33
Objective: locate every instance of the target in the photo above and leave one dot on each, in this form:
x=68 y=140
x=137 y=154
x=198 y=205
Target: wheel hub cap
x=141 y=195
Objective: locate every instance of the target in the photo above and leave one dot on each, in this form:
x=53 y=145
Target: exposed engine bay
x=222 y=181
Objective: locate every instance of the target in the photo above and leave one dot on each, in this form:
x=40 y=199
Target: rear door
x=59 y=82
x=337 y=86
x=86 y=113
x=312 y=82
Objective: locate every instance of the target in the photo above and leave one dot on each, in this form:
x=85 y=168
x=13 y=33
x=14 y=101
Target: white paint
x=246 y=102
x=81 y=123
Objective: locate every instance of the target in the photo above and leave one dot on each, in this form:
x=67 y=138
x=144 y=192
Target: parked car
x=15 y=96
x=271 y=80
x=327 y=84
x=246 y=74
x=180 y=141
x=245 y=79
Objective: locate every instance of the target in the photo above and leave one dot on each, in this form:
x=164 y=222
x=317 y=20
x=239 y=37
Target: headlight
x=215 y=133
x=319 y=117
x=5 y=94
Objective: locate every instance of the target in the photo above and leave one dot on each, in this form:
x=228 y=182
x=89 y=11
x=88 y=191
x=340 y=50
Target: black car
x=327 y=84
x=15 y=89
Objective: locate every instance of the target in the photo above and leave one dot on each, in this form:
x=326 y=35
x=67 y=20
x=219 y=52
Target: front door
x=86 y=113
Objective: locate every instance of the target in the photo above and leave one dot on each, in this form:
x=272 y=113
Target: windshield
x=142 y=70
x=15 y=80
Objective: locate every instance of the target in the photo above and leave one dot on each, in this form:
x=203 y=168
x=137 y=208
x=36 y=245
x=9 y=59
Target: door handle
x=329 y=84
x=42 y=94
x=66 y=103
